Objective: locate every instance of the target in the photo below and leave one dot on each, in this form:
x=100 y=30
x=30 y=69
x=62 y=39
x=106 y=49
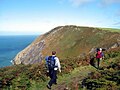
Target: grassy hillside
x=76 y=74
x=73 y=41
x=68 y=41
x=111 y=29
x=74 y=46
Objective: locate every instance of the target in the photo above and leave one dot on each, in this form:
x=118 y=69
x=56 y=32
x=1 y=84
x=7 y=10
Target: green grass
x=71 y=41
x=78 y=74
x=109 y=75
x=111 y=29
x=74 y=70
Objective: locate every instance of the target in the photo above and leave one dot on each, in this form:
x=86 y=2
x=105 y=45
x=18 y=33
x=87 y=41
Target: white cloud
x=107 y=2
x=26 y=27
x=30 y=27
x=117 y=23
x=117 y=14
x=76 y=3
x=80 y=2
x=61 y=1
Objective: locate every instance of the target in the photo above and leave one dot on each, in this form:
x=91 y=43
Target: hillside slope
x=74 y=76
x=68 y=41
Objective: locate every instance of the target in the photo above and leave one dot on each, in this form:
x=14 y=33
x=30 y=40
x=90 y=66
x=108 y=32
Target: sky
x=34 y=17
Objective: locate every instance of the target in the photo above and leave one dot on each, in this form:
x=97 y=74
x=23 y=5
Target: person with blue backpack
x=53 y=64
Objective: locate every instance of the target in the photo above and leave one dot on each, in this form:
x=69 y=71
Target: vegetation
x=76 y=74
x=75 y=40
x=108 y=78
x=74 y=44
x=111 y=29
x=68 y=41
x=25 y=77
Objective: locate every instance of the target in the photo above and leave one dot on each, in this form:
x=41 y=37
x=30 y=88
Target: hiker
x=53 y=64
x=99 y=56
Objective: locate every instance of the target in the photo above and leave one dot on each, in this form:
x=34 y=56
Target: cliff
x=71 y=43
x=68 y=41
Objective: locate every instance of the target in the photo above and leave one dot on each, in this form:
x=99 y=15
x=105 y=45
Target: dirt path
x=74 y=79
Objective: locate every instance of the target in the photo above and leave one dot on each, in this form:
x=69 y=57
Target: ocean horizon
x=11 y=45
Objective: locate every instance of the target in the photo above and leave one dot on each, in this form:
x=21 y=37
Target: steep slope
x=68 y=41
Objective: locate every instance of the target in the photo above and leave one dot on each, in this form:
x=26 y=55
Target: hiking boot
x=48 y=86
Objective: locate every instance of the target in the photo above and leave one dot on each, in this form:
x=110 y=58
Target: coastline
x=11 y=45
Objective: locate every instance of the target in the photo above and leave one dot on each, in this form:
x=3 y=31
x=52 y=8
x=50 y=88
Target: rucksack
x=102 y=54
x=51 y=62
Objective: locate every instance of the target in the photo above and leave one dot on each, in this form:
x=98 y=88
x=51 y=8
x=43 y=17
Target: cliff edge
x=68 y=41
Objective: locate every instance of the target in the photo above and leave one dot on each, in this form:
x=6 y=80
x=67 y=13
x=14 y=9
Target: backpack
x=102 y=54
x=51 y=62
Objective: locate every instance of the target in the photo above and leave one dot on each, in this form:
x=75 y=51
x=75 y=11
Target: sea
x=11 y=45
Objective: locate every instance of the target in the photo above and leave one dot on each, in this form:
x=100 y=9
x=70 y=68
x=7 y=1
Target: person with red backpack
x=53 y=64
x=99 y=56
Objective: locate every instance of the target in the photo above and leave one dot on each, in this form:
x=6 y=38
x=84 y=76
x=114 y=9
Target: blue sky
x=39 y=16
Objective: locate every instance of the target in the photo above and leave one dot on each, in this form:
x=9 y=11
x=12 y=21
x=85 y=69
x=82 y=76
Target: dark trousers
x=98 y=63
x=53 y=76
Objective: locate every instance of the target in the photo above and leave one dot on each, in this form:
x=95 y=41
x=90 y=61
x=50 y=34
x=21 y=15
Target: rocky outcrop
x=68 y=41
x=32 y=54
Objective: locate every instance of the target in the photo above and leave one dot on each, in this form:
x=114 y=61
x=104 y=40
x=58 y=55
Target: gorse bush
x=24 y=77
x=21 y=76
x=108 y=78
x=21 y=82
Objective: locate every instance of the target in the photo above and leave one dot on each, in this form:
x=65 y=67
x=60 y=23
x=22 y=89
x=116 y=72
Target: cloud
x=80 y=2
x=117 y=23
x=77 y=3
x=39 y=26
x=26 y=27
x=118 y=13
x=61 y=1
x=108 y=2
